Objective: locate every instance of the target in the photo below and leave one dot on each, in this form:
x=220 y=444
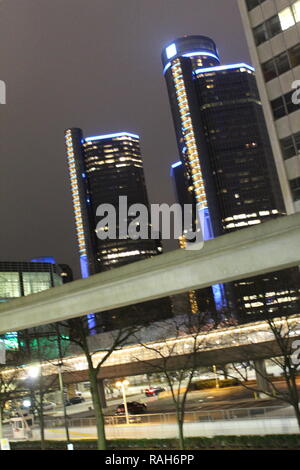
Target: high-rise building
x=272 y=30
x=102 y=169
x=180 y=59
x=226 y=163
x=201 y=300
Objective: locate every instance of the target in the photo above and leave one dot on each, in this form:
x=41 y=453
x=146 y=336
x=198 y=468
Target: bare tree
x=177 y=359
x=39 y=348
x=79 y=335
x=10 y=388
x=281 y=334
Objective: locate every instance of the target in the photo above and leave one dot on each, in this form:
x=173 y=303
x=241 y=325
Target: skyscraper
x=102 y=169
x=226 y=158
x=180 y=59
x=201 y=300
x=272 y=30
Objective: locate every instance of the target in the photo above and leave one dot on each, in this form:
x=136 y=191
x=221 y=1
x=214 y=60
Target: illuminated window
x=286 y=18
x=296 y=11
x=36 y=282
x=253 y=3
x=9 y=285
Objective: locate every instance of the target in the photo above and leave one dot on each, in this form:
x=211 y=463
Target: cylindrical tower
x=181 y=59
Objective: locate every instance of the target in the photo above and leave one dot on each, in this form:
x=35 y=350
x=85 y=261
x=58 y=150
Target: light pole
x=1 y=428
x=122 y=384
x=61 y=386
x=34 y=373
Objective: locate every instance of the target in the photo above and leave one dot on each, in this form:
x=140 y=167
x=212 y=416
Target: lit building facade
x=180 y=59
x=201 y=300
x=272 y=30
x=223 y=141
x=18 y=279
x=239 y=151
x=102 y=169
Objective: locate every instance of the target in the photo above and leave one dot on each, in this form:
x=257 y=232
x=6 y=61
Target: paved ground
x=275 y=421
x=191 y=429
x=212 y=399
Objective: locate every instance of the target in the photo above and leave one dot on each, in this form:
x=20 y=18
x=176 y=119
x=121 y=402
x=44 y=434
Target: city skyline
x=47 y=229
x=130 y=130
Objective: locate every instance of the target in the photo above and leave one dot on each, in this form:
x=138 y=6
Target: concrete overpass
x=263 y=248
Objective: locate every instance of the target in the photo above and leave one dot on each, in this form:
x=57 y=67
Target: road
x=208 y=423
x=226 y=398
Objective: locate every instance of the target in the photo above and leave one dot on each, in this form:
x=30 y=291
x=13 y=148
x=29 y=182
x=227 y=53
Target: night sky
x=93 y=64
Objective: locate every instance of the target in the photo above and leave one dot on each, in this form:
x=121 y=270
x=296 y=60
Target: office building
x=226 y=163
x=18 y=279
x=102 y=169
x=272 y=30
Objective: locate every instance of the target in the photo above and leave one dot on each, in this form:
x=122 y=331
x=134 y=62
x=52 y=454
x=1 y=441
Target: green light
x=10 y=340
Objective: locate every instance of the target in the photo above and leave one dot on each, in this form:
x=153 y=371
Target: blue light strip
x=84 y=267
x=219 y=296
x=167 y=67
x=111 y=136
x=201 y=53
x=224 y=67
x=193 y=54
x=44 y=259
x=175 y=165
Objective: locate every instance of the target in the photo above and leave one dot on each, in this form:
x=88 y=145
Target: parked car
x=134 y=408
x=154 y=391
x=49 y=405
x=74 y=401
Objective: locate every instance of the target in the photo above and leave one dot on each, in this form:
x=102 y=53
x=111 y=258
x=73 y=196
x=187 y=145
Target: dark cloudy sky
x=93 y=64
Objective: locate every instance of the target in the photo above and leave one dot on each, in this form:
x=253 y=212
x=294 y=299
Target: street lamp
x=122 y=384
x=33 y=372
x=26 y=403
x=61 y=386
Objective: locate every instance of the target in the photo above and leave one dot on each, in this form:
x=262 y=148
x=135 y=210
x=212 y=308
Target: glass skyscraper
x=226 y=162
x=102 y=169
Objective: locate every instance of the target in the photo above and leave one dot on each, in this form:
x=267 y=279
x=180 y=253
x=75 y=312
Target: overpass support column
x=101 y=392
x=263 y=383
x=71 y=390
